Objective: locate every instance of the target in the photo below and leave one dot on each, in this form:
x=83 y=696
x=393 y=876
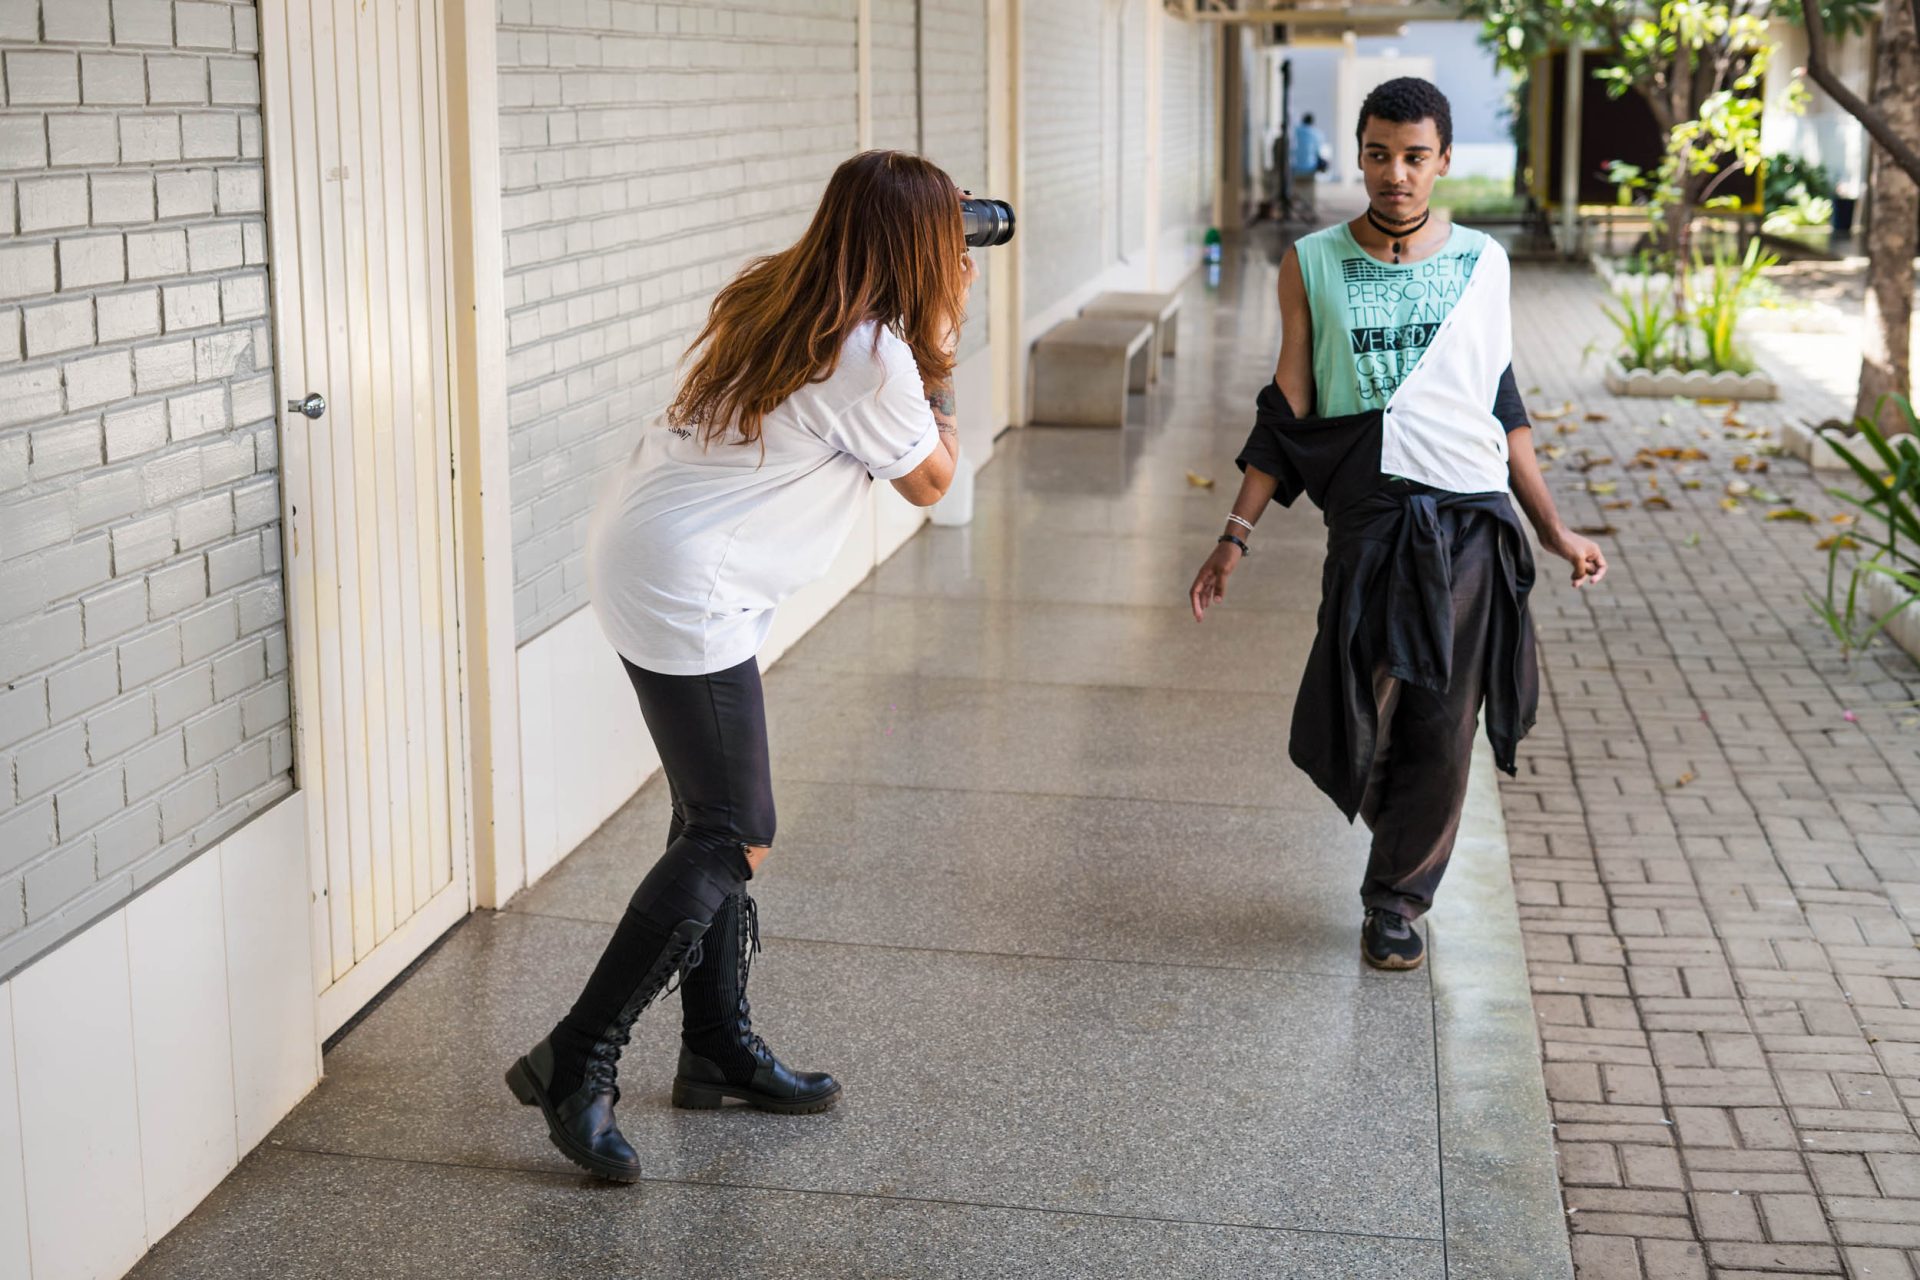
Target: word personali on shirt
x=1394 y=312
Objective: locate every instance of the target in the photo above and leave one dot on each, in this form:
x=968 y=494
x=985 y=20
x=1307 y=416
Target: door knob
x=313 y=406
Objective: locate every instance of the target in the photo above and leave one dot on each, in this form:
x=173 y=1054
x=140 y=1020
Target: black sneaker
x=1389 y=941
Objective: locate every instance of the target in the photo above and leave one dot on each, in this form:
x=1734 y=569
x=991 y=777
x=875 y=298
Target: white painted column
x=1570 y=156
x=477 y=265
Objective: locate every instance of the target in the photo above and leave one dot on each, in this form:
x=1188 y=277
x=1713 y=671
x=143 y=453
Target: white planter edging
x=1725 y=385
x=1796 y=440
x=1815 y=447
x=1823 y=456
x=1881 y=594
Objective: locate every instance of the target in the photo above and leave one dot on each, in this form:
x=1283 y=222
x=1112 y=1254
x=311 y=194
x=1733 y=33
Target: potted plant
x=1879 y=588
x=1657 y=356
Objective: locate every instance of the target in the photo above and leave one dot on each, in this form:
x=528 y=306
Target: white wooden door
x=358 y=221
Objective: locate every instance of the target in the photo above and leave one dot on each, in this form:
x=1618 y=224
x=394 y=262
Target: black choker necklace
x=1404 y=234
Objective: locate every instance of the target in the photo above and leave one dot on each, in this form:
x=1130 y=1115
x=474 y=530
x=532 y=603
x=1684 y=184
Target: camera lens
x=986 y=222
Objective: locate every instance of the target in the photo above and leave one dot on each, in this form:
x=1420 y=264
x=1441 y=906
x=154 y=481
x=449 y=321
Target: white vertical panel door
x=358 y=218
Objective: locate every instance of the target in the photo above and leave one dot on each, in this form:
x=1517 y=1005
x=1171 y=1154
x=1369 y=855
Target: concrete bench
x=1082 y=370
x=1161 y=308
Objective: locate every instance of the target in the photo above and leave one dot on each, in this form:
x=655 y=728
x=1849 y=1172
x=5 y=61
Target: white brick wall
x=895 y=64
x=143 y=658
x=955 y=69
x=1186 y=124
x=1133 y=129
x=647 y=152
x=1062 y=229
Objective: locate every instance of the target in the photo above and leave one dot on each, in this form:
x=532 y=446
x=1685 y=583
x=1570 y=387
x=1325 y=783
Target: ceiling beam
x=1321 y=15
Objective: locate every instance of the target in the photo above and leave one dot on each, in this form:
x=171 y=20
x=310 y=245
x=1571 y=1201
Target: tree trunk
x=1894 y=234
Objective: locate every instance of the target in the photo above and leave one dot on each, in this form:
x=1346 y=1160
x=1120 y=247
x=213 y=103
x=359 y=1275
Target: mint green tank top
x=1373 y=320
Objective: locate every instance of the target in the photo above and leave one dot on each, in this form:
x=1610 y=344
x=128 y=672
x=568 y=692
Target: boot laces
x=603 y=1059
x=750 y=946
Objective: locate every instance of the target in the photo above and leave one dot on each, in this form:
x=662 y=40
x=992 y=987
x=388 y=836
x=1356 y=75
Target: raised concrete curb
x=1501 y=1202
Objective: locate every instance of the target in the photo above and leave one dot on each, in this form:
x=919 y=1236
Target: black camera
x=986 y=222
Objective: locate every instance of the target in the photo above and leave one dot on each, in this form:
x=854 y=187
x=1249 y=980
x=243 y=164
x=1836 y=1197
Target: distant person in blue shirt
x=1308 y=147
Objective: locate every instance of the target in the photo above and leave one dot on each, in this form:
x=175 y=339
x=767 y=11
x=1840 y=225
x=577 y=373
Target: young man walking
x=1394 y=408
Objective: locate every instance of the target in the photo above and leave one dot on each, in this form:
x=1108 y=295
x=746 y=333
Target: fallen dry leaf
x=1687 y=454
x=1839 y=541
x=1738 y=488
x=1683 y=780
x=1595 y=530
x=1594 y=416
x=1841 y=518
x=1791 y=513
x=1550 y=415
x=1657 y=503
x=1602 y=486
x=1199 y=481
x=1729 y=504
x=1619 y=504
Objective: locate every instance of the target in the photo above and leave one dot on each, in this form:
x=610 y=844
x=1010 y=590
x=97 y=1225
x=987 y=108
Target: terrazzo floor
x=1047 y=898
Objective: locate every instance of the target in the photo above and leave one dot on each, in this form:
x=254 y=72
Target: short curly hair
x=1407 y=100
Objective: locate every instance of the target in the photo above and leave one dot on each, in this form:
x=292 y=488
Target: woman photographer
x=820 y=369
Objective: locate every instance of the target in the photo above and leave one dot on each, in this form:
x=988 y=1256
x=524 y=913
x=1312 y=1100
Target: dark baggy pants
x=1424 y=750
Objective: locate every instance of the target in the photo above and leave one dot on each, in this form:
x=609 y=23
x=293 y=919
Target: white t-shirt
x=692 y=547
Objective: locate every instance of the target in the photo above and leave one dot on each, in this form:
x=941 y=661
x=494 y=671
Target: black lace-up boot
x=720 y=1056
x=574 y=1086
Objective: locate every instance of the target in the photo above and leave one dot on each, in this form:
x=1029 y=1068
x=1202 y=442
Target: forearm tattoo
x=940 y=399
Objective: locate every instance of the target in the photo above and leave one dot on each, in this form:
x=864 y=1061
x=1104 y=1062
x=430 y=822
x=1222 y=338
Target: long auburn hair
x=885 y=245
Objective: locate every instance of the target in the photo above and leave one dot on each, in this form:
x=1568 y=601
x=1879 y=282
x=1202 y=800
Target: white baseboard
x=141 y=1059
x=583 y=746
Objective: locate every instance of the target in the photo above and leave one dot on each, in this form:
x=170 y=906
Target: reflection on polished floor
x=1050 y=902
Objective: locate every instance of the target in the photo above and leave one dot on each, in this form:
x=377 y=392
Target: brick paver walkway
x=1716 y=847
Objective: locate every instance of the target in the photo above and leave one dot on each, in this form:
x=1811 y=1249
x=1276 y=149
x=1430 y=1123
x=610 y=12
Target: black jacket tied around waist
x=1386 y=592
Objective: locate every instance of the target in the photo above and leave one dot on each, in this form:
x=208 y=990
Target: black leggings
x=711 y=733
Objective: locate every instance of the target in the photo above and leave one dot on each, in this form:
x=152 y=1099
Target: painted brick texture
x=942 y=62
x=954 y=71
x=647 y=152
x=1062 y=237
x=1187 y=125
x=140 y=591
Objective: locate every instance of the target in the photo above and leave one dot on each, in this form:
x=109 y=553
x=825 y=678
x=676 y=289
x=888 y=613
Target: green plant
x=1786 y=172
x=1716 y=314
x=1644 y=326
x=1890 y=515
x=1803 y=209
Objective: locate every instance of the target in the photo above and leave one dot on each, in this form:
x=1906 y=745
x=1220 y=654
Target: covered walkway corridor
x=1050 y=902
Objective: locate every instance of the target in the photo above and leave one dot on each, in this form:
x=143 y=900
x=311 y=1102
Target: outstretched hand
x=1210 y=584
